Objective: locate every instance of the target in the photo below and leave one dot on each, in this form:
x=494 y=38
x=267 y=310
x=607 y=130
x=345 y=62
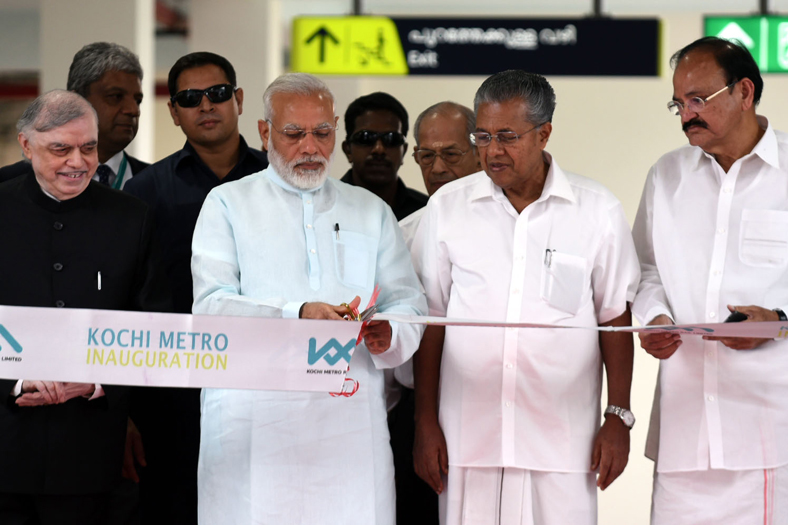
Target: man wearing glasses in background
x=508 y=420
x=292 y=242
x=376 y=127
x=444 y=153
x=205 y=102
x=712 y=236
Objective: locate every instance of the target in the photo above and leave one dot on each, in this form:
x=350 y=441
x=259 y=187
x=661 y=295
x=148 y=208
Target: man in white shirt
x=712 y=236
x=523 y=241
x=443 y=152
x=290 y=242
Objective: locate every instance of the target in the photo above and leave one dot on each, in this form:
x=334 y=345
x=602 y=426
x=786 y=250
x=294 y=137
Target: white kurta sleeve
x=651 y=299
x=616 y=271
x=215 y=269
x=400 y=293
x=431 y=261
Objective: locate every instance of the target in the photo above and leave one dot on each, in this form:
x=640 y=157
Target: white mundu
x=708 y=239
x=527 y=399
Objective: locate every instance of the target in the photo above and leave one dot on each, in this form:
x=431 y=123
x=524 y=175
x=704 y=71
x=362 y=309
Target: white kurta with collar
x=262 y=248
x=524 y=398
x=707 y=239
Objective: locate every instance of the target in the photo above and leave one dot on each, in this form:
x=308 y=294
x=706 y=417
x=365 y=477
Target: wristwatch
x=626 y=415
x=781 y=314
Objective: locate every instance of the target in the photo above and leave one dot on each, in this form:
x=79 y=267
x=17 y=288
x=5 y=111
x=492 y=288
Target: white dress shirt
x=114 y=163
x=707 y=239
x=396 y=378
x=263 y=248
x=410 y=224
x=525 y=398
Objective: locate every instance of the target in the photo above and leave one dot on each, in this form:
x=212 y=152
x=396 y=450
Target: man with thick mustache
x=290 y=242
x=376 y=126
x=712 y=237
x=206 y=103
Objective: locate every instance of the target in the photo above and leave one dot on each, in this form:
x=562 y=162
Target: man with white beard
x=289 y=242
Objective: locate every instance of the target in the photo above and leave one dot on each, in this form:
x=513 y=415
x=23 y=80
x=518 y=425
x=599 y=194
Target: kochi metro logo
x=10 y=340
x=342 y=351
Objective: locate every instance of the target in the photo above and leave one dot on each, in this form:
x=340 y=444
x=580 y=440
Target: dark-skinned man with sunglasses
x=712 y=237
x=376 y=126
x=508 y=421
x=205 y=103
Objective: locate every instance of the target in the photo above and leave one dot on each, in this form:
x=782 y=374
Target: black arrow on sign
x=322 y=33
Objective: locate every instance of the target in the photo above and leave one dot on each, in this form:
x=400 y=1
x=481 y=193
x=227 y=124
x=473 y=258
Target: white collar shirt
x=114 y=163
x=707 y=239
x=525 y=398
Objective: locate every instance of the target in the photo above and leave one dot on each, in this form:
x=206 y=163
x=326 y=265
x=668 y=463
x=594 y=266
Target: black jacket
x=51 y=254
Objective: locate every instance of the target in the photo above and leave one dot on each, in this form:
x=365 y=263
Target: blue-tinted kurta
x=262 y=248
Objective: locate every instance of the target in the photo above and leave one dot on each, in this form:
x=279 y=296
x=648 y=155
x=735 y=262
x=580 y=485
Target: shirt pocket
x=355 y=255
x=763 y=238
x=564 y=281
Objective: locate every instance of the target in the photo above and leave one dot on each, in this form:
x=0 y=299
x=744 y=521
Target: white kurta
x=262 y=248
x=517 y=397
x=403 y=374
x=707 y=239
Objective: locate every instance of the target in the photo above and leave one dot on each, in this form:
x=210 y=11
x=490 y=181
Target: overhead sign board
x=351 y=45
x=766 y=37
x=464 y=46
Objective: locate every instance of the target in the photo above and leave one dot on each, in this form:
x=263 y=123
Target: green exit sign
x=765 y=36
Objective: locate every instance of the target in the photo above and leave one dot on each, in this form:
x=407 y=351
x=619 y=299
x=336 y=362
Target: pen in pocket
x=548 y=257
x=336 y=229
x=98 y=281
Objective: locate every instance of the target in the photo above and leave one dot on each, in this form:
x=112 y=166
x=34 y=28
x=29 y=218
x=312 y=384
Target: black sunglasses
x=191 y=98
x=369 y=138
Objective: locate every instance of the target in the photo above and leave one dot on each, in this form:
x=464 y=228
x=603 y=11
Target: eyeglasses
x=695 y=104
x=191 y=98
x=426 y=157
x=294 y=135
x=389 y=139
x=482 y=139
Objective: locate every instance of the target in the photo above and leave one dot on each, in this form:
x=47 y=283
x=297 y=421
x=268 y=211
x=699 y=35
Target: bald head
x=450 y=110
x=443 y=148
x=52 y=110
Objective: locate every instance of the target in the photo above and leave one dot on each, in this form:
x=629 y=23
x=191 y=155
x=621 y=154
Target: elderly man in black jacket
x=61 y=444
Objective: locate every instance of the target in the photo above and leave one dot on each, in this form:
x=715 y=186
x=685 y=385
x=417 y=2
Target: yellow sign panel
x=352 y=45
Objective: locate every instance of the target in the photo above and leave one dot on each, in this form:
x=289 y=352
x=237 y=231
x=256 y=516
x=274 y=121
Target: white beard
x=299 y=177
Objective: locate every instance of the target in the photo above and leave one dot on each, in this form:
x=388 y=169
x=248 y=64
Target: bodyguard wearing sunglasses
x=376 y=126
x=712 y=236
x=206 y=103
x=508 y=421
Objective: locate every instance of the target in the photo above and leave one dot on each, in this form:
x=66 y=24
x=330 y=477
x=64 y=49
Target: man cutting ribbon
x=289 y=242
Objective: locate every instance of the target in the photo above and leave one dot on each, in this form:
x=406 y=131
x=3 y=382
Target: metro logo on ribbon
x=13 y=343
x=342 y=352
